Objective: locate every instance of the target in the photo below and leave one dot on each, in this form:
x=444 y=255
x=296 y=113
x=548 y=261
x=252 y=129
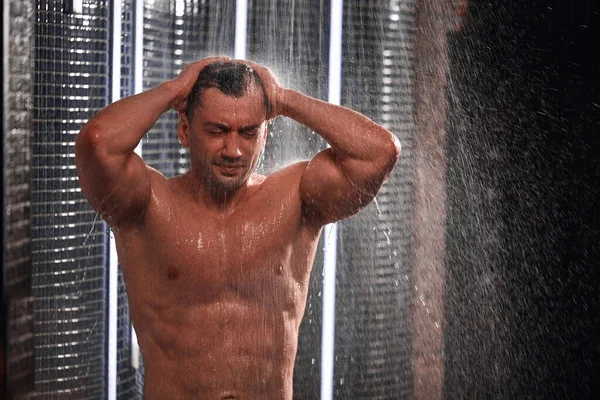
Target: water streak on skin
x=200 y=244
x=154 y=198
x=222 y=246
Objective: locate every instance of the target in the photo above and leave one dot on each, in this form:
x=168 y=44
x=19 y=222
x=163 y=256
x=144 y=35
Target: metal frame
x=113 y=262
x=138 y=87
x=3 y=295
x=330 y=231
x=241 y=29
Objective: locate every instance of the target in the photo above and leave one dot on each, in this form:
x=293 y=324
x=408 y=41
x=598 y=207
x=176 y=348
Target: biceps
x=332 y=190
x=117 y=188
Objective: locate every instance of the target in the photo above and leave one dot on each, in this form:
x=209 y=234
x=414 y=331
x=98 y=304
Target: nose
x=231 y=146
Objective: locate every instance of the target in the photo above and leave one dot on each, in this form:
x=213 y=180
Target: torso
x=217 y=298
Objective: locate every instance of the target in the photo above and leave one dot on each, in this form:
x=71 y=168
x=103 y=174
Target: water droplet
x=200 y=244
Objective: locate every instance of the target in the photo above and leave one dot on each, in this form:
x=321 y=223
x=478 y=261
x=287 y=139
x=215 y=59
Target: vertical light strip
x=335 y=52
x=5 y=54
x=77 y=6
x=330 y=231
x=138 y=87
x=241 y=29
x=5 y=85
x=138 y=47
x=113 y=261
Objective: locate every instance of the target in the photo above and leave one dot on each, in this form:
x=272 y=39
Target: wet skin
x=216 y=298
x=217 y=261
x=217 y=283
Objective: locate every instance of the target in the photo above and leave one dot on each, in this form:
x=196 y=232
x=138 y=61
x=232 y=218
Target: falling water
x=514 y=233
x=522 y=277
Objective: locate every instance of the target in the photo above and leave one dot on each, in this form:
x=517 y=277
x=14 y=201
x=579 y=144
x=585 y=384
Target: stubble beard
x=219 y=184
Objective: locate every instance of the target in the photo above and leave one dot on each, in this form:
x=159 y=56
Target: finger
x=181 y=107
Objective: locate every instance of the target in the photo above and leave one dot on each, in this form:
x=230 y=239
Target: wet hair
x=232 y=78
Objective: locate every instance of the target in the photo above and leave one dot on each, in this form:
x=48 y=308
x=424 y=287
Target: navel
x=279 y=269
x=172 y=273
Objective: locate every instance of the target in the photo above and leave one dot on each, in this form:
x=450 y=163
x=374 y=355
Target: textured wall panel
x=373 y=341
x=68 y=250
x=18 y=132
x=207 y=29
x=160 y=147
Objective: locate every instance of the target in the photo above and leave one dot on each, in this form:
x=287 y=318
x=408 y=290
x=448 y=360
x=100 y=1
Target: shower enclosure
x=80 y=56
x=449 y=285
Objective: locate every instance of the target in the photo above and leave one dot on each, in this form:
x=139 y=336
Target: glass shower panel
x=68 y=238
x=373 y=320
x=18 y=344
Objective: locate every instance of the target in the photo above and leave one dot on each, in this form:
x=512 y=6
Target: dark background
x=523 y=146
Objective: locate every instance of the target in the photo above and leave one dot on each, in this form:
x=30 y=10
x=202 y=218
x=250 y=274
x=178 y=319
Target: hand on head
x=187 y=78
x=272 y=87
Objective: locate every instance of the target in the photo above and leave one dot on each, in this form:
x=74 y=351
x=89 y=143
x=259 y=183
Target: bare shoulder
x=286 y=179
x=156 y=177
x=284 y=185
x=159 y=186
x=163 y=187
x=280 y=187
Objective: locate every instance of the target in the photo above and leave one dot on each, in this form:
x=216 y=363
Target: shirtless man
x=217 y=260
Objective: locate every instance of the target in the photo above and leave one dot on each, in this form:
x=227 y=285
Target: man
x=217 y=260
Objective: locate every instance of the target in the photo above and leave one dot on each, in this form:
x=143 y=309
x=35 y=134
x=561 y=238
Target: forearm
x=118 y=128
x=350 y=134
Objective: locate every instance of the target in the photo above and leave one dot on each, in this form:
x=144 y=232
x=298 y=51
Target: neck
x=221 y=201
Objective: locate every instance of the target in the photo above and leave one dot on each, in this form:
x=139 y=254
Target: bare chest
x=223 y=251
x=188 y=257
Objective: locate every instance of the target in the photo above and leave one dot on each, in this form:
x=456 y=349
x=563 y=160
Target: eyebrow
x=217 y=125
x=226 y=128
x=250 y=127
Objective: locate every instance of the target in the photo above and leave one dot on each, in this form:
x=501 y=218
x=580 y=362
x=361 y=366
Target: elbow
x=90 y=138
x=392 y=152
x=89 y=142
x=397 y=147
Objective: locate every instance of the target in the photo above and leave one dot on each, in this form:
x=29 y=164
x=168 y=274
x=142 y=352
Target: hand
x=184 y=82
x=272 y=87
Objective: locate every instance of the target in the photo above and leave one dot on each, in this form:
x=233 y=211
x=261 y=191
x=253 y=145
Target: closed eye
x=216 y=128
x=249 y=132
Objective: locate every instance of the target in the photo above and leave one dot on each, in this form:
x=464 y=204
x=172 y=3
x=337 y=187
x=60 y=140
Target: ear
x=183 y=130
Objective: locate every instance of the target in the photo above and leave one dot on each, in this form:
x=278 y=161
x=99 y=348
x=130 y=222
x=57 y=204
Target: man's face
x=226 y=136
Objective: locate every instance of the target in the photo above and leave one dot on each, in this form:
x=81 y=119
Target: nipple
x=172 y=273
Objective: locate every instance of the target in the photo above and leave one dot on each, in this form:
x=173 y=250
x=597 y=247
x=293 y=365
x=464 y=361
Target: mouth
x=230 y=169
